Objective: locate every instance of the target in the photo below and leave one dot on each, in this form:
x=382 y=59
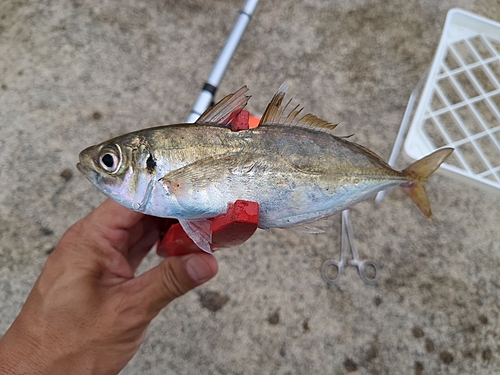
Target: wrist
x=21 y=353
x=17 y=355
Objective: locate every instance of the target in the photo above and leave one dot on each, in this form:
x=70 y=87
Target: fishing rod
x=205 y=99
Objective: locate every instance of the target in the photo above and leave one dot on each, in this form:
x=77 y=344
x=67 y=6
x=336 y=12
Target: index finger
x=113 y=216
x=117 y=226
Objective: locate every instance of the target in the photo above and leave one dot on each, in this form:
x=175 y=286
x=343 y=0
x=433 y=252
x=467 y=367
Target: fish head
x=122 y=168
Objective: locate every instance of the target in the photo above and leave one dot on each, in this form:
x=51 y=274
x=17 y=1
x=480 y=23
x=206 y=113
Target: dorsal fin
x=373 y=155
x=275 y=113
x=226 y=109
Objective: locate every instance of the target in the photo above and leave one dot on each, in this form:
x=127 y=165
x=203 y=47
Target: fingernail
x=199 y=270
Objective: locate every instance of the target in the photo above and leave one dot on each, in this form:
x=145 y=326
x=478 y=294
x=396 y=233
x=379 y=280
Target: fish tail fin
x=418 y=172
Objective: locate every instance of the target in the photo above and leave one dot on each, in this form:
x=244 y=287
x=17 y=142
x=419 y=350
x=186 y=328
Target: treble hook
x=348 y=240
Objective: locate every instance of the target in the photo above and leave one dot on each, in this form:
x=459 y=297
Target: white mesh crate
x=460 y=103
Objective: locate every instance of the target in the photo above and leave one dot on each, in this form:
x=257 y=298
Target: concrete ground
x=74 y=73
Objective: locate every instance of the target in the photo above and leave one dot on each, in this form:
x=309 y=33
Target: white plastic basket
x=460 y=103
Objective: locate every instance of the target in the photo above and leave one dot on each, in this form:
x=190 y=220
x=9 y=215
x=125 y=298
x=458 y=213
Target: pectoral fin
x=202 y=174
x=216 y=170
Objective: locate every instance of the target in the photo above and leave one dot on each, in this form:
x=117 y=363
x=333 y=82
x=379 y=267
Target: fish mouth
x=88 y=160
x=86 y=166
x=81 y=168
x=83 y=165
x=89 y=173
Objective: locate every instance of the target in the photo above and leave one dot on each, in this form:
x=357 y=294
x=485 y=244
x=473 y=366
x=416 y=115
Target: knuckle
x=172 y=285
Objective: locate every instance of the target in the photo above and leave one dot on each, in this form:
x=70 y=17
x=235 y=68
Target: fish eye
x=110 y=158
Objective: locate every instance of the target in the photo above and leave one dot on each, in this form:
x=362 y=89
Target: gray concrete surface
x=74 y=73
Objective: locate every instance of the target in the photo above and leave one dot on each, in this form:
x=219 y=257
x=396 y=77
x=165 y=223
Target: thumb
x=173 y=277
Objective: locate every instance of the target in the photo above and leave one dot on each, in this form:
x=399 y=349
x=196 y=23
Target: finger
x=172 y=278
x=143 y=236
x=104 y=237
x=117 y=225
x=146 y=225
x=113 y=215
x=137 y=252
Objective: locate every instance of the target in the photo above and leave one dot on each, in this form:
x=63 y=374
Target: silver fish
x=294 y=167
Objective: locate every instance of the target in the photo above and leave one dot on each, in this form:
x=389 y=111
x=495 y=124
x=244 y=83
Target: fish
x=292 y=165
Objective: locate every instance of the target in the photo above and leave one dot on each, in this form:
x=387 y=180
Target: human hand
x=88 y=313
